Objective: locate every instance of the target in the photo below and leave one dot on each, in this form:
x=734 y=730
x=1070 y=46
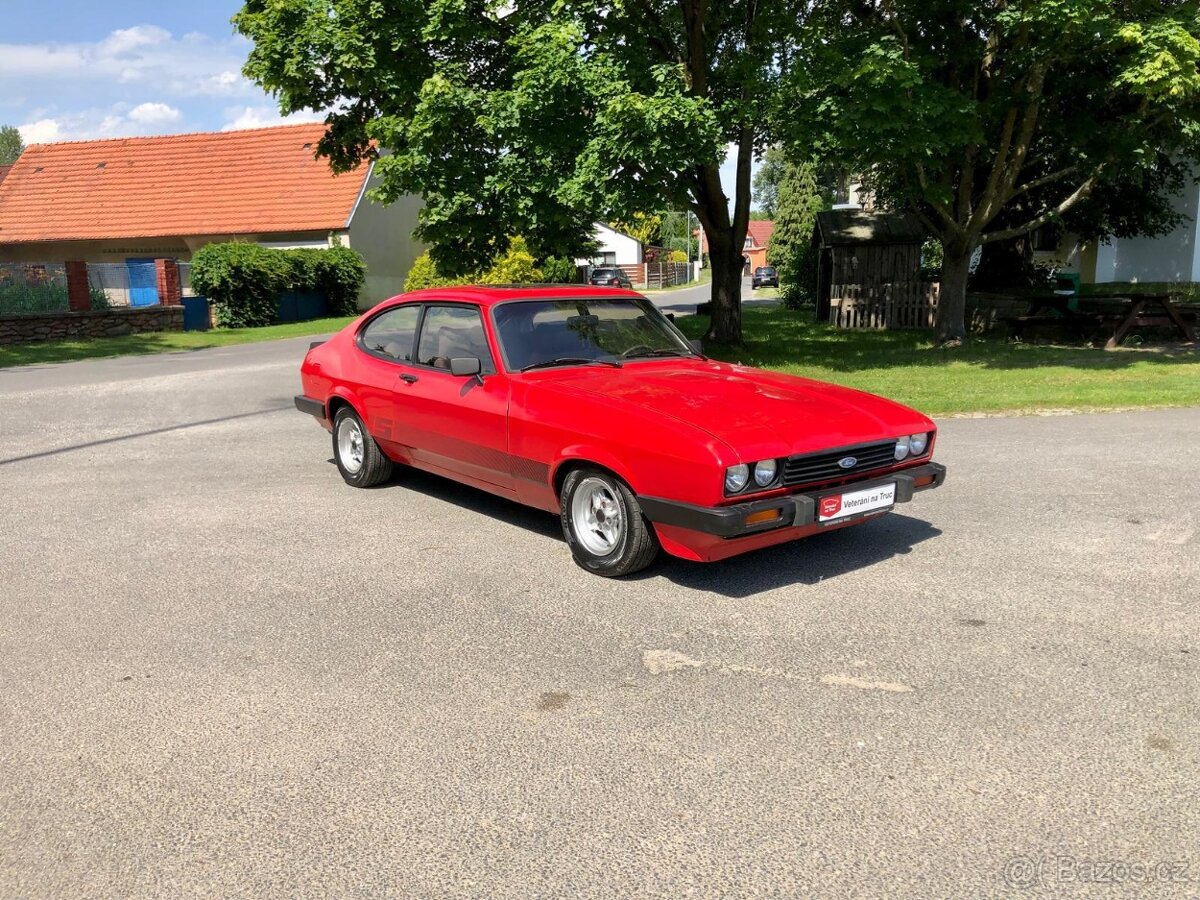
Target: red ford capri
x=588 y=402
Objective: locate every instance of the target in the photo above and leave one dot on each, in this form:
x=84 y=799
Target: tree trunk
x=951 y=323
x=725 y=326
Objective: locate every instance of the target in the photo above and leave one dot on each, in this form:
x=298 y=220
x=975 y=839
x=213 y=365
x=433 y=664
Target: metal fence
x=124 y=284
x=185 y=279
x=33 y=288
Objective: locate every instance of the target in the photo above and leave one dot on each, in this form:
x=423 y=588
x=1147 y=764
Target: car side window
x=453 y=332
x=391 y=333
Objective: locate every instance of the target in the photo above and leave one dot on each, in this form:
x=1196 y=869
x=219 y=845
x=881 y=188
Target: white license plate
x=854 y=503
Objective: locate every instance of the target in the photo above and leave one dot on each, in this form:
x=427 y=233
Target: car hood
x=759 y=414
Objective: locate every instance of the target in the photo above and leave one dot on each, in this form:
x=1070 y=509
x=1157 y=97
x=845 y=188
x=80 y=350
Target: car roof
x=490 y=295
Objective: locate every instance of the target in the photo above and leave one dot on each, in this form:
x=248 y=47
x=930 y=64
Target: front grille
x=813 y=468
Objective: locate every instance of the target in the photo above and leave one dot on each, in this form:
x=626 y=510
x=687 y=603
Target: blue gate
x=143 y=282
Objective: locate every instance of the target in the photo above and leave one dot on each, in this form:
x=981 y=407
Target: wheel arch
x=591 y=459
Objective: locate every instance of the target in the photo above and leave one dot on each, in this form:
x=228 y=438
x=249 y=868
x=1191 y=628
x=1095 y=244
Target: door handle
x=410 y=379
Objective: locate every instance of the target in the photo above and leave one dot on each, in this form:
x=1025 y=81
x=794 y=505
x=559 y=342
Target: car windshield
x=766 y=271
x=604 y=273
x=545 y=333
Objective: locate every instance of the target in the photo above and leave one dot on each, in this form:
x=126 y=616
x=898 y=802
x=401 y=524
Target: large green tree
x=992 y=118
x=800 y=198
x=11 y=145
x=539 y=116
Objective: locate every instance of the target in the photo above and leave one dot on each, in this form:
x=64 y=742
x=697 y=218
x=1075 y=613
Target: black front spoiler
x=797 y=510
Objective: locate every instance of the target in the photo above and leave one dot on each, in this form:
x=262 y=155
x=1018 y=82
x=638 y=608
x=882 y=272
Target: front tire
x=358 y=457
x=604 y=526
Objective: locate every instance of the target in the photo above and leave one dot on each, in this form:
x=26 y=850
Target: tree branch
x=1008 y=234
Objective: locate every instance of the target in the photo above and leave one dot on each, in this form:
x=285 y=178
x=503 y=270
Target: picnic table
x=1083 y=317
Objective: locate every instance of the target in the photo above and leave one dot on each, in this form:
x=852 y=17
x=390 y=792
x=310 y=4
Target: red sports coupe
x=588 y=402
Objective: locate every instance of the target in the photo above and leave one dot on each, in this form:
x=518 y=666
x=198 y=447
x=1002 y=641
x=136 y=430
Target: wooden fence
x=876 y=306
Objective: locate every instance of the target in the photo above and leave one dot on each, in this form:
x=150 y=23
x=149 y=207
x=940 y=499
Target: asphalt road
x=683 y=301
x=222 y=672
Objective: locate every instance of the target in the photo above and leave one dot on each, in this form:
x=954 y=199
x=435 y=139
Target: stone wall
x=92 y=324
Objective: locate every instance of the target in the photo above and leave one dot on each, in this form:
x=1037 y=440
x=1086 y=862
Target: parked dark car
x=764 y=276
x=610 y=276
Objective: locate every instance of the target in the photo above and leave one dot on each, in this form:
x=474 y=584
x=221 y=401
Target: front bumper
x=795 y=510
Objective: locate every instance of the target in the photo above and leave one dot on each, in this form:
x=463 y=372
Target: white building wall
x=1172 y=257
x=626 y=250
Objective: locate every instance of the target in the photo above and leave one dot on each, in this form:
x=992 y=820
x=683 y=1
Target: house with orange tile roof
x=128 y=200
x=754 y=251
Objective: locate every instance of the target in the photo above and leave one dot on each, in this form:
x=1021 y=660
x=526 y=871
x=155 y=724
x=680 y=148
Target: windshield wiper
x=665 y=351
x=571 y=361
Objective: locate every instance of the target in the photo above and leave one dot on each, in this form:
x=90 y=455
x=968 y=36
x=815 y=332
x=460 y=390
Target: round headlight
x=765 y=472
x=736 y=478
x=917 y=444
x=901 y=448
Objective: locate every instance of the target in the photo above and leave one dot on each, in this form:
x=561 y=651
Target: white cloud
x=154 y=114
x=118 y=120
x=126 y=40
x=240 y=117
x=43 y=131
x=187 y=66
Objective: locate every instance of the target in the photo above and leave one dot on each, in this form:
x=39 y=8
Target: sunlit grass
x=985 y=375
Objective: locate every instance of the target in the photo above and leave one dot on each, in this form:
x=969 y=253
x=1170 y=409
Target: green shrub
x=678 y=256
x=243 y=281
x=558 y=270
x=424 y=274
x=798 y=277
x=515 y=266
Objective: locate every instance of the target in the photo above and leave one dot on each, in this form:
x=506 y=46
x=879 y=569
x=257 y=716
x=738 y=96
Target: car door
x=458 y=424
x=387 y=342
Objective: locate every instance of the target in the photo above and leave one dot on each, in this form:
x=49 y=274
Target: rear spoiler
x=315 y=344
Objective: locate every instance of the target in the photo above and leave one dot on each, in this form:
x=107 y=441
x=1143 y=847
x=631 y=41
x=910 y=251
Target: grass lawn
x=982 y=376
x=159 y=342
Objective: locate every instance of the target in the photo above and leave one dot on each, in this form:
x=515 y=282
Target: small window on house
x=1046 y=239
x=749 y=242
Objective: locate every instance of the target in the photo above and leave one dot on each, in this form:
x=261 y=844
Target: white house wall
x=626 y=250
x=1172 y=257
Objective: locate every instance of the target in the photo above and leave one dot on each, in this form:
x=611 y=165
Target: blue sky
x=124 y=68
x=80 y=69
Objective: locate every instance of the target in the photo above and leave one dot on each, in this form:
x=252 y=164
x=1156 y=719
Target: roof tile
x=222 y=183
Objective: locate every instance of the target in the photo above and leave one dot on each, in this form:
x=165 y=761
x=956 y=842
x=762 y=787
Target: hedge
x=243 y=281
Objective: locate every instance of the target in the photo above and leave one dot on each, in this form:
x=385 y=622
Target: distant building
x=755 y=249
x=128 y=200
x=614 y=248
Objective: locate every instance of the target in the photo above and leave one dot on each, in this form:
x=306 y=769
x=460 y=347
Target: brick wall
x=95 y=323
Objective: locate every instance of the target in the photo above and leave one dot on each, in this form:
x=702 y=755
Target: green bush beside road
x=243 y=281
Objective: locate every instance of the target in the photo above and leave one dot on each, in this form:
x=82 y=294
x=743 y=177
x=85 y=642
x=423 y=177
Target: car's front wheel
x=604 y=526
x=358 y=457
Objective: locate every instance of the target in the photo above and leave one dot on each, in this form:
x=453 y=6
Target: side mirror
x=465 y=365
x=698 y=346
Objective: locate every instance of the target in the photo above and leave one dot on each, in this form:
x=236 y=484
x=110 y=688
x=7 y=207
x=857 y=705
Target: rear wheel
x=604 y=525
x=358 y=457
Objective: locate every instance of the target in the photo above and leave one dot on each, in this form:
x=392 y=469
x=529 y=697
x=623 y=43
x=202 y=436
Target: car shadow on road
x=473 y=499
x=808 y=561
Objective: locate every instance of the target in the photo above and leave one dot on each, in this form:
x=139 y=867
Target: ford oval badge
x=848 y=463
